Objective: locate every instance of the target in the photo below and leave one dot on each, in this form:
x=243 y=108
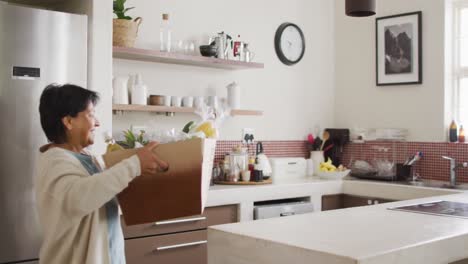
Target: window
x=460 y=60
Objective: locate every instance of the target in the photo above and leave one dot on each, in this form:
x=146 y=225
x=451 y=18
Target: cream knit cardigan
x=71 y=206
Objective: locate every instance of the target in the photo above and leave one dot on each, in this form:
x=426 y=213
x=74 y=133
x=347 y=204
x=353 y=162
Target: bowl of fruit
x=330 y=172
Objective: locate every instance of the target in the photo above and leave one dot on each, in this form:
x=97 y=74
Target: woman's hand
x=150 y=163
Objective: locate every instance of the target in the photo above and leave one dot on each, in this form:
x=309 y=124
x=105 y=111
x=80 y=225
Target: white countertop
x=245 y=196
x=370 y=234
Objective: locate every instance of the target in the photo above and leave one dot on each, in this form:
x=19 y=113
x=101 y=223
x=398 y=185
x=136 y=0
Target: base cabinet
x=187 y=247
x=182 y=240
x=340 y=201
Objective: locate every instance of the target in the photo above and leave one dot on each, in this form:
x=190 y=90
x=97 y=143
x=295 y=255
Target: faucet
x=453 y=167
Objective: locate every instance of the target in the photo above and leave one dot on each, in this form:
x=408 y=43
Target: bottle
x=165 y=34
x=251 y=168
x=461 y=135
x=139 y=91
x=453 y=137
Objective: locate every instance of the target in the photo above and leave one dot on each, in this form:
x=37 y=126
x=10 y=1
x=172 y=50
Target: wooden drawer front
x=221 y=215
x=354 y=200
x=332 y=202
x=212 y=216
x=188 y=247
x=165 y=227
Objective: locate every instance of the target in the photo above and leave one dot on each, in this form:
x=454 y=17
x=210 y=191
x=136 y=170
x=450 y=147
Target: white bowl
x=336 y=175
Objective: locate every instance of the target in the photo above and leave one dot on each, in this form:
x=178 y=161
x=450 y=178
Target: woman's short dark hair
x=58 y=101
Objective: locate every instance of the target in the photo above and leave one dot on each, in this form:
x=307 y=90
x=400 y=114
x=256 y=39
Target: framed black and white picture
x=399 y=49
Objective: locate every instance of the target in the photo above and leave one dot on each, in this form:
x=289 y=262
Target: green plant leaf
x=127 y=17
x=120 y=15
x=129 y=138
x=119 y=5
x=128 y=9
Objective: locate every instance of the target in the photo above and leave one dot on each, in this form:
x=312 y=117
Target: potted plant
x=125 y=29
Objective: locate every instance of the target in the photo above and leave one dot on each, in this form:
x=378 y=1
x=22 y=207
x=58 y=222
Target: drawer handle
x=182 y=245
x=180 y=221
x=287 y=214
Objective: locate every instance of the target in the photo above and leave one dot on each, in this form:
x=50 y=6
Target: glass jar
x=239 y=163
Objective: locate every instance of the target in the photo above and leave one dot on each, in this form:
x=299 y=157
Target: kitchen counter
x=245 y=196
x=370 y=234
x=313 y=188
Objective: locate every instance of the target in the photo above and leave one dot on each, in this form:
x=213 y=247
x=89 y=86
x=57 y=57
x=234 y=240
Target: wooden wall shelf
x=182 y=59
x=164 y=109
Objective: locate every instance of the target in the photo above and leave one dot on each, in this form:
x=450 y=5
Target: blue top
x=114 y=230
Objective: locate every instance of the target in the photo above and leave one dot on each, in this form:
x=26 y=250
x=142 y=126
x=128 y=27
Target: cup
x=213 y=101
x=176 y=101
x=245 y=175
x=317 y=158
x=167 y=100
x=187 y=101
x=199 y=101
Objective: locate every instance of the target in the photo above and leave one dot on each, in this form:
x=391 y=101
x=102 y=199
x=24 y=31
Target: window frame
x=459 y=72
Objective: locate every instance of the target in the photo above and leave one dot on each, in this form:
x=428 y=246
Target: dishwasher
x=282 y=207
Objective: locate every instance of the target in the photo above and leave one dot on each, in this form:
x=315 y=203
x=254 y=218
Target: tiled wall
x=292 y=148
x=431 y=166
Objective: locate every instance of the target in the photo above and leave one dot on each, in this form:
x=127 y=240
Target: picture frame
x=398 y=43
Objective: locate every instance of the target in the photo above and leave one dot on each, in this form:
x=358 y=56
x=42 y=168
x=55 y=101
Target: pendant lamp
x=360 y=8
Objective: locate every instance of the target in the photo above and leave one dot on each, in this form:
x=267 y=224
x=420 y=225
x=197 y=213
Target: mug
x=167 y=100
x=199 y=101
x=176 y=101
x=187 y=101
x=245 y=176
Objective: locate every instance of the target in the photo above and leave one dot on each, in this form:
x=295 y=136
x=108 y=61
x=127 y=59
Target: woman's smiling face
x=80 y=129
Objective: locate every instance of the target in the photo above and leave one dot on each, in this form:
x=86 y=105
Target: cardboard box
x=179 y=192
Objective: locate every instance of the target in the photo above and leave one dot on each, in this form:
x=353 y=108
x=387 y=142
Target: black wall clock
x=289 y=43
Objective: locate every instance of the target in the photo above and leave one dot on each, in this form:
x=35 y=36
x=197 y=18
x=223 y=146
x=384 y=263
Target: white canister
x=120 y=90
x=139 y=92
x=317 y=158
x=233 y=95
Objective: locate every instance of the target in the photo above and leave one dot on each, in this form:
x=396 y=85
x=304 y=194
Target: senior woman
x=76 y=197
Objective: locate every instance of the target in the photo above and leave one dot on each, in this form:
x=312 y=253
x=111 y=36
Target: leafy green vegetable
x=131 y=138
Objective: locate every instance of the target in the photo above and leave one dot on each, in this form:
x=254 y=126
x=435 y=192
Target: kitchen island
x=370 y=235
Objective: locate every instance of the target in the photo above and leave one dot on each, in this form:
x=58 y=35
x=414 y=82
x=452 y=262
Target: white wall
x=359 y=102
x=294 y=99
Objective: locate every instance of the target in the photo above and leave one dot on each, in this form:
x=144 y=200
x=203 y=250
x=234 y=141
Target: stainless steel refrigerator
x=37 y=47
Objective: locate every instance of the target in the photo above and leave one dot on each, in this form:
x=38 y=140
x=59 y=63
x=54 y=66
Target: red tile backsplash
x=431 y=166
x=290 y=148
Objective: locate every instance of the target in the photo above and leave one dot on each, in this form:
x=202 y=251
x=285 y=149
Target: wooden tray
x=269 y=181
